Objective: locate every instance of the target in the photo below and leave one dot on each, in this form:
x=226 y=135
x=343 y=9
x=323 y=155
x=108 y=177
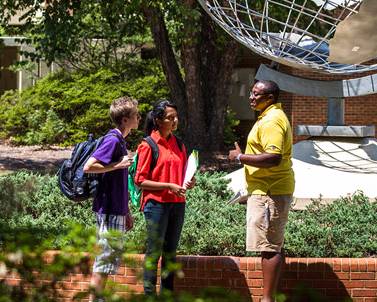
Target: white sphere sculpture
x=292 y=32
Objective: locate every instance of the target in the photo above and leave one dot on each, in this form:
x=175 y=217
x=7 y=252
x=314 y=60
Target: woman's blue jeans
x=164 y=223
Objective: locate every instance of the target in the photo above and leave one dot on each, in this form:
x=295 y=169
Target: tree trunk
x=168 y=60
x=220 y=103
x=196 y=130
x=203 y=96
x=208 y=69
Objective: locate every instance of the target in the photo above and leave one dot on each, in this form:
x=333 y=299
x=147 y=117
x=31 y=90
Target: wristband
x=238 y=158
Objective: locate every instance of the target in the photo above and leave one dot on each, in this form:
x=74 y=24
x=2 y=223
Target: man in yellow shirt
x=270 y=181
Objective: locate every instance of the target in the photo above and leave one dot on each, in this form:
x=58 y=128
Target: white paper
x=238 y=186
x=239 y=197
x=191 y=167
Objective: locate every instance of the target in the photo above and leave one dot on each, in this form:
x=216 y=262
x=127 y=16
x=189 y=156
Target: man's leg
x=272 y=262
x=97 y=285
x=172 y=236
x=271 y=267
x=108 y=261
x=266 y=220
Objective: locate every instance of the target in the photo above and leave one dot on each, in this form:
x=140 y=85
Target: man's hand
x=129 y=222
x=95 y=166
x=235 y=152
x=125 y=162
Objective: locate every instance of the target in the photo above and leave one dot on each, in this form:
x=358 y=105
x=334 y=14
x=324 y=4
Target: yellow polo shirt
x=271 y=133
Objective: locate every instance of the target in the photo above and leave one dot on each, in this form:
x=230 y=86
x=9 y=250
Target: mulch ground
x=35 y=158
x=48 y=160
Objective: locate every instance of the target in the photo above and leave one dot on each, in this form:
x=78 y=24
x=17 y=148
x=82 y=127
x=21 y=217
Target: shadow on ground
x=37 y=159
x=33 y=158
x=8 y=164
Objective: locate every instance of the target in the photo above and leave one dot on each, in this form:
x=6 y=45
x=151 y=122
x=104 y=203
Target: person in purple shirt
x=111 y=202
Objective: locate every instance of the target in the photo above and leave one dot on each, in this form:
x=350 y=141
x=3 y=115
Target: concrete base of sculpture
x=327 y=169
x=336 y=131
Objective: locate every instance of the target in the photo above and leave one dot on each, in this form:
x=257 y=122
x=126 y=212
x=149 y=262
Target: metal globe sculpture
x=296 y=33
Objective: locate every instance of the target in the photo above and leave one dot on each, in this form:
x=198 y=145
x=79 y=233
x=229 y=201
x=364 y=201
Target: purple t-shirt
x=112 y=197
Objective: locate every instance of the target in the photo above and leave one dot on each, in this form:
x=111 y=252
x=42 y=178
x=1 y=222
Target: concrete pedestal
x=335 y=131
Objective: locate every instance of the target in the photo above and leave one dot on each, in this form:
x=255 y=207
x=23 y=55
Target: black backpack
x=73 y=182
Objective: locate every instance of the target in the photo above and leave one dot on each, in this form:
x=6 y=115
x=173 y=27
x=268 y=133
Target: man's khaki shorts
x=266 y=218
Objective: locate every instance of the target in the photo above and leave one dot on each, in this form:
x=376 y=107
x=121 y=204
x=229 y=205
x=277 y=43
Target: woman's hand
x=190 y=184
x=177 y=190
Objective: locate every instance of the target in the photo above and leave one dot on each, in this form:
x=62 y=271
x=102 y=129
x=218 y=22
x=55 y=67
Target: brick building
x=301 y=110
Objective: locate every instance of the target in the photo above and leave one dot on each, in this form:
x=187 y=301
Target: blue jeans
x=164 y=223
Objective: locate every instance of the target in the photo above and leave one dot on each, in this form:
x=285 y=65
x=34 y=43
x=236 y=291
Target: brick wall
x=303 y=110
x=334 y=278
x=313 y=111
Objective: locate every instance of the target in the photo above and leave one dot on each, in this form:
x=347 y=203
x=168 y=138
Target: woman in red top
x=163 y=201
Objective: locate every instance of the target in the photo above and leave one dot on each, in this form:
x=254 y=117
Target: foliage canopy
x=83 y=35
x=197 y=58
x=64 y=108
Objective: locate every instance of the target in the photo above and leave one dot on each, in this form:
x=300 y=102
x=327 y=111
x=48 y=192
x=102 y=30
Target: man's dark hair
x=271 y=87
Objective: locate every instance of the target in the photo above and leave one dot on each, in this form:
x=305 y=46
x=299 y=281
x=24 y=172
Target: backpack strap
x=79 y=149
x=150 y=141
x=179 y=143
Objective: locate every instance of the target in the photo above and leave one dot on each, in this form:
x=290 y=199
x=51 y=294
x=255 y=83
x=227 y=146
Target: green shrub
x=212 y=225
x=207 y=212
x=33 y=201
x=64 y=108
x=30 y=201
x=345 y=228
